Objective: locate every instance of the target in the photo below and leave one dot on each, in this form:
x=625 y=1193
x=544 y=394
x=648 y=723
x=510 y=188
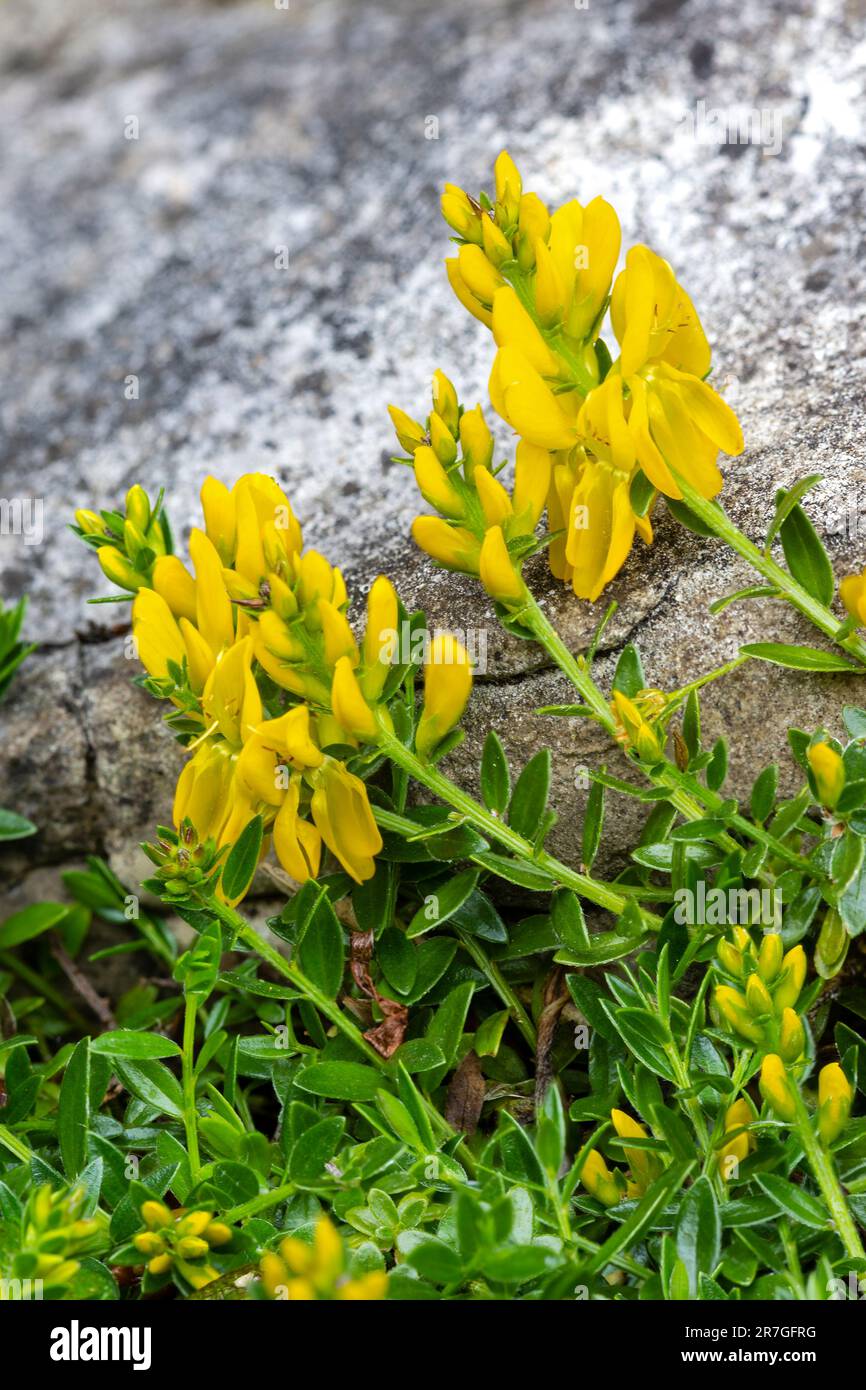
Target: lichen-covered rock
x=159 y=175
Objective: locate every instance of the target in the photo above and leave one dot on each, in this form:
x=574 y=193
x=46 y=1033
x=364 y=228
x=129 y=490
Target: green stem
x=259 y=1203
x=15 y=1145
x=686 y=793
x=502 y=988
x=821 y=1164
x=817 y=613
x=190 y=1116
x=489 y=825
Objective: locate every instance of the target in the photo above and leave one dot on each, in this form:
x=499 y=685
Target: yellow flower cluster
x=599 y=438
x=481 y=528
x=261 y=623
x=180 y=1240
x=54 y=1233
x=298 y=1272
x=610 y=1186
x=763 y=1014
x=760 y=1008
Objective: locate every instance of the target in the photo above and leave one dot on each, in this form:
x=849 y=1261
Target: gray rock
x=260 y=128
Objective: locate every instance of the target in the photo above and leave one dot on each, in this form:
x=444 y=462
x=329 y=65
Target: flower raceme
x=276 y=700
x=609 y=435
x=759 y=1007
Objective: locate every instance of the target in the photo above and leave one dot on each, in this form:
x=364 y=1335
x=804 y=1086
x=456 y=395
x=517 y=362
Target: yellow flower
x=636 y=732
x=409 y=433
x=584 y=248
x=435 y=485
x=379 y=636
x=736 y=1115
x=464 y=293
x=777 y=1089
x=218 y=506
x=445 y=402
x=524 y=400
x=600 y=529
x=298 y=1272
x=447 y=684
x=342 y=815
x=835 y=1098
x=607 y=1187
x=791 y=980
x=451 y=546
x=734 y=1008
x=476 y=441
x=117 y=568
x=828 y=771
x=645 y=1166
x=792 y=1036
x=348 y=703
x=852 y=592
x=499 y=574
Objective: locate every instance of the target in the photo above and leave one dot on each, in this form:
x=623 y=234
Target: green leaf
x=315 y=1147
x=443 y=902
x=241 y=863
x=446 y=1028
x=751 y=591
x=569 y=924
x=495 y=776
x=126 y=1042
x=806 y=557
x=698 y=829
x=73 y=1115
x=717 y=767
x=593 y=823
x=801 y=1206
x=488 y=1035
x=763 y=796
x=514 y=871
x=529 y=798
x=198 y=968
x=398 y=959
x=797 y=658
x=29 y=922
x=692 y=724
x=698 y=1231
x=629 y=676
x=340 y=1080
x=321 y=951
x=645 y=1036
x=15 y=827
x=785 y=502
x=153 y=1083
x=854 y=720
x=434 y=1260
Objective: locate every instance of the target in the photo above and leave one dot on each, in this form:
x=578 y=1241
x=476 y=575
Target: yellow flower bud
x=509 y=185
x=777 y=1089
x=409 y=433
x=731 y=958
x=442 y=441
x=732 y=1005
x=149 y=1243
x=193 y=1223
x=192 y=1247
x=476 y=441
x=480 y=277
x=464 y=294
x=445 y=402
x=600 y=1182
x=160 y=1264
x=380 y=637
x=89 y=522
x=348 y=703
x=770 y=957
x=758 y=996
x=736 y=1115
x=550 y=292
x=852 y=592
x=791 y=979
x=792 y=1036
x=835 y=1098
x=447 y=684
x=533 y=224
x=138 y=508
x=644 y=1164
x=499 y=573
x=828 y=771
x=495 y=502
x=460 y=214
x=639 y=734
x=217 y=1233
x=220 y=519
x=532 y=469
x=117 y=568
x=155 y=1215
x=497 y=247
x=435 y=484
x=452 y=546
x=273 y=1273
x=741 y=939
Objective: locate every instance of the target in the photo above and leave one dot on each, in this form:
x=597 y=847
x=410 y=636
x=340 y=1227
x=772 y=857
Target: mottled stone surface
x=261 y=128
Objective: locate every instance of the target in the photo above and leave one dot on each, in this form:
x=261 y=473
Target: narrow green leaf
x=238 y=870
